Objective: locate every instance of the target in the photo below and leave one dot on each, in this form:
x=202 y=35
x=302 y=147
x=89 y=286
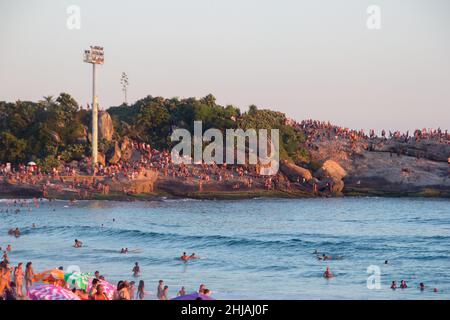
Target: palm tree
x=48 y=101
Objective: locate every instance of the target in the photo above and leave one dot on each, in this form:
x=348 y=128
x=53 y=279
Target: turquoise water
x=249 y=249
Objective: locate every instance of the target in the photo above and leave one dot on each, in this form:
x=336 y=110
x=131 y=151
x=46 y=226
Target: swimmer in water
x=327 y=274
x=8 y=248
x=78 y=243
x=394 y=285
x=184 y=257
x=136 y=270
x=421 y=286
x=403 y=284
x=324 y=257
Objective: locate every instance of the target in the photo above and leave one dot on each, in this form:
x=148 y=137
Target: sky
x=309 y=59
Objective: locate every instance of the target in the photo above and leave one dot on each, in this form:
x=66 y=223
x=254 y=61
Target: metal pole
x=94 y=121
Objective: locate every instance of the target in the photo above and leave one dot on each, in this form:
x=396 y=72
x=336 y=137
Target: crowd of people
x=78 y=178
x=320 y=130
x=13 y=279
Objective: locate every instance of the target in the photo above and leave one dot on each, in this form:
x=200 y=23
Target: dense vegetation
x=57 y=129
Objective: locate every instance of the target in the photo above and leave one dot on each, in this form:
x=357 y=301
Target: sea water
x=249 y=249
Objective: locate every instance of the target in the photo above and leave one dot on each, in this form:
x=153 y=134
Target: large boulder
x=331 y=174
x=293 y=172
x=105 y=126
x=115 y=156
x=331 y=169
x=126 y=148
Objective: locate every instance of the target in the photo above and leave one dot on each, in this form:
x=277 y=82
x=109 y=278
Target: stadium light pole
x=94 y=56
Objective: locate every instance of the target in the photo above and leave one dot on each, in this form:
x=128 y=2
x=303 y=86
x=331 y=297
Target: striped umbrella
x=107 y=287
x=50 y=292
x=77 y=279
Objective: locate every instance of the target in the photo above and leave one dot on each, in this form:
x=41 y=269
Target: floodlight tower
x=94 y=56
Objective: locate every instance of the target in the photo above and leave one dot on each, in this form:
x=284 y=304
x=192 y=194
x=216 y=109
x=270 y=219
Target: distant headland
x=45 y=152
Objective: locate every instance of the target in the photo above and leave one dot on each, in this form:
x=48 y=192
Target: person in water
x=181 y=293
x=421 y=286
x=184 y=257
x=78 y=243
x=394 y=285
x=193 y=256
x=136 y=270
x=165 y=293
x=403 y=284
x=327 y=274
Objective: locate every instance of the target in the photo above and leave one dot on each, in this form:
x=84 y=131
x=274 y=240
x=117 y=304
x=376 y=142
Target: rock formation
x=116 y=154
x=126 y=148
x=105 y=126
x=293 y=172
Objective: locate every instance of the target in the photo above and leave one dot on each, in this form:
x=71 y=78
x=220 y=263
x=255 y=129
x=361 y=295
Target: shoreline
x=29 y=193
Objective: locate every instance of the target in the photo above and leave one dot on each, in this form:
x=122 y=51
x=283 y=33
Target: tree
x=12 y=149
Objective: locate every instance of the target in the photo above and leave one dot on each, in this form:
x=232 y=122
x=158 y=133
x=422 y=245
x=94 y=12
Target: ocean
x=249 y=249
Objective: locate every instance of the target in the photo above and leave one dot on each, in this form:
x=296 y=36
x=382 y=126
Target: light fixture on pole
x=124 y=82
x=94 y=56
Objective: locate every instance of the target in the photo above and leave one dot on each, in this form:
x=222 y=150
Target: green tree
x=12 y=149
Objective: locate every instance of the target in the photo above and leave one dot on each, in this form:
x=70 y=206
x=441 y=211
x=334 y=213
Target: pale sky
x=310 y=59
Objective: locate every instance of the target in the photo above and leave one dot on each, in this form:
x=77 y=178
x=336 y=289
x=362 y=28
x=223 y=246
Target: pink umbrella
x=108 y=288
x=194 y=296
x=50 y=292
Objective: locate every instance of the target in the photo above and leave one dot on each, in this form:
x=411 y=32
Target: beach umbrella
x=194 y=296
x=108 y=288
x=49 y=276
x=51 y=292
x=77 y=279
x=31 y=163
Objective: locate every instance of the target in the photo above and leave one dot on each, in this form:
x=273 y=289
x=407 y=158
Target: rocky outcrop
x=388 y=167
x=126 y=148
x=294 y=172
x=331 y=169
x=331 y=173
x=115 y=155
x=105 y=126
x=392 y=173
x=427 y=149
